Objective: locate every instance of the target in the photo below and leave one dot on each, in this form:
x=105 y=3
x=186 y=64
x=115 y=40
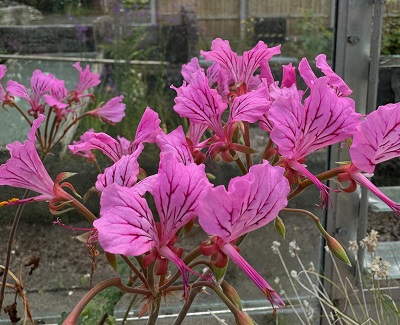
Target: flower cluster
x=219 y=102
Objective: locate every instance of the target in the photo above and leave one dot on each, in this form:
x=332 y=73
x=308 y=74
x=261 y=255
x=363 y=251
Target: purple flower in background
x=111 y=112
x=87 y=80
x=40 y=84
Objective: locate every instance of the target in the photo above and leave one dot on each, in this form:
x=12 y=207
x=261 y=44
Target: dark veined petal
x=101 y=141
x=126 y=225
x=251 y=201
x=124 y=172
x=377 y=139
x=324 y=119
x=177 y=192
x=175 y=142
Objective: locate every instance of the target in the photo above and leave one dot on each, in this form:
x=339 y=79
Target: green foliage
x=139 y=87
x=312 y=37
x=100 y=310
x=391 y=36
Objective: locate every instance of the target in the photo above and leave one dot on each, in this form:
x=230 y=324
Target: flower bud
x=337 y=249
x=280 y=227
x=232 y=294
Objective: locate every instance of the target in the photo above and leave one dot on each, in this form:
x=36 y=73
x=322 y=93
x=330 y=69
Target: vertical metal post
x=153 y=12
x=356 y=60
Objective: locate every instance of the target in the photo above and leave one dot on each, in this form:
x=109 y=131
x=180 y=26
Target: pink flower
x=147 y=131
x=335 y=81
x=58 y=94
x=25 y=170
x=87 y=80
x=299 y=129
x=87 y=153
x=176 y=143
x=124 y=172
x=203 y=105
x=376 y=140
x=110 y=112
x=251 y=202
x=124 y=154
x=127 y=225
x=240 y=68
x=40 y=85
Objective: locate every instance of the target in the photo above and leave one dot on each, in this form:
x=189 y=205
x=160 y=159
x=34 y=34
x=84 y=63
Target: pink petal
x=219 y=76
x=124 y=172
x=222 y=53
x=175 y=142
x=126 y=225
x=190 y=68
x=3 y=70
x=112 y=111
x=101 y=141
x=148 y=128
x=251 y=60
x=289 y=75
x=145 y=185
x=25 y=169
x=263 y=285
x=177 y=192
x=361 y=179
x=196 y=131
x=54 y=102
x=200 y=104
x=324 y=119
x=40 y=84
x=251 y=202
x=334 y=80
x=251 y=106
x=82 y=139
x=17 y=89
x=306 y=72
x=125 y=145
x=87 y=79
x=377 y=138
x=58 y=89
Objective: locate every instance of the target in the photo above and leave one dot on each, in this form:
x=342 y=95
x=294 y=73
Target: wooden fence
x=222 y=18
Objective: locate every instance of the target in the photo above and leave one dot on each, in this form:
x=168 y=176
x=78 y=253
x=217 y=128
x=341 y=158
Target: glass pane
x=138 y=48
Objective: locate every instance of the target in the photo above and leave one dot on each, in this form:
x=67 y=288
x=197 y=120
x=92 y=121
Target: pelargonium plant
x=220 y=103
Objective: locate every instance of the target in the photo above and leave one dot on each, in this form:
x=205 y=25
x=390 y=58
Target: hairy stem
x=242 y=167
x=249 y=162
x=136 y=271
x=10 y=243
x=185 y=308
x=322 y=177
x=155 y=309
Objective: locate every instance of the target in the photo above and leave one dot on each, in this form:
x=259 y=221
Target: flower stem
x=135 y=270
x=72 y=318
x=185 y=308
x=249 y=161
x=322 y=177
x=155 y=309
x=10 y=243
